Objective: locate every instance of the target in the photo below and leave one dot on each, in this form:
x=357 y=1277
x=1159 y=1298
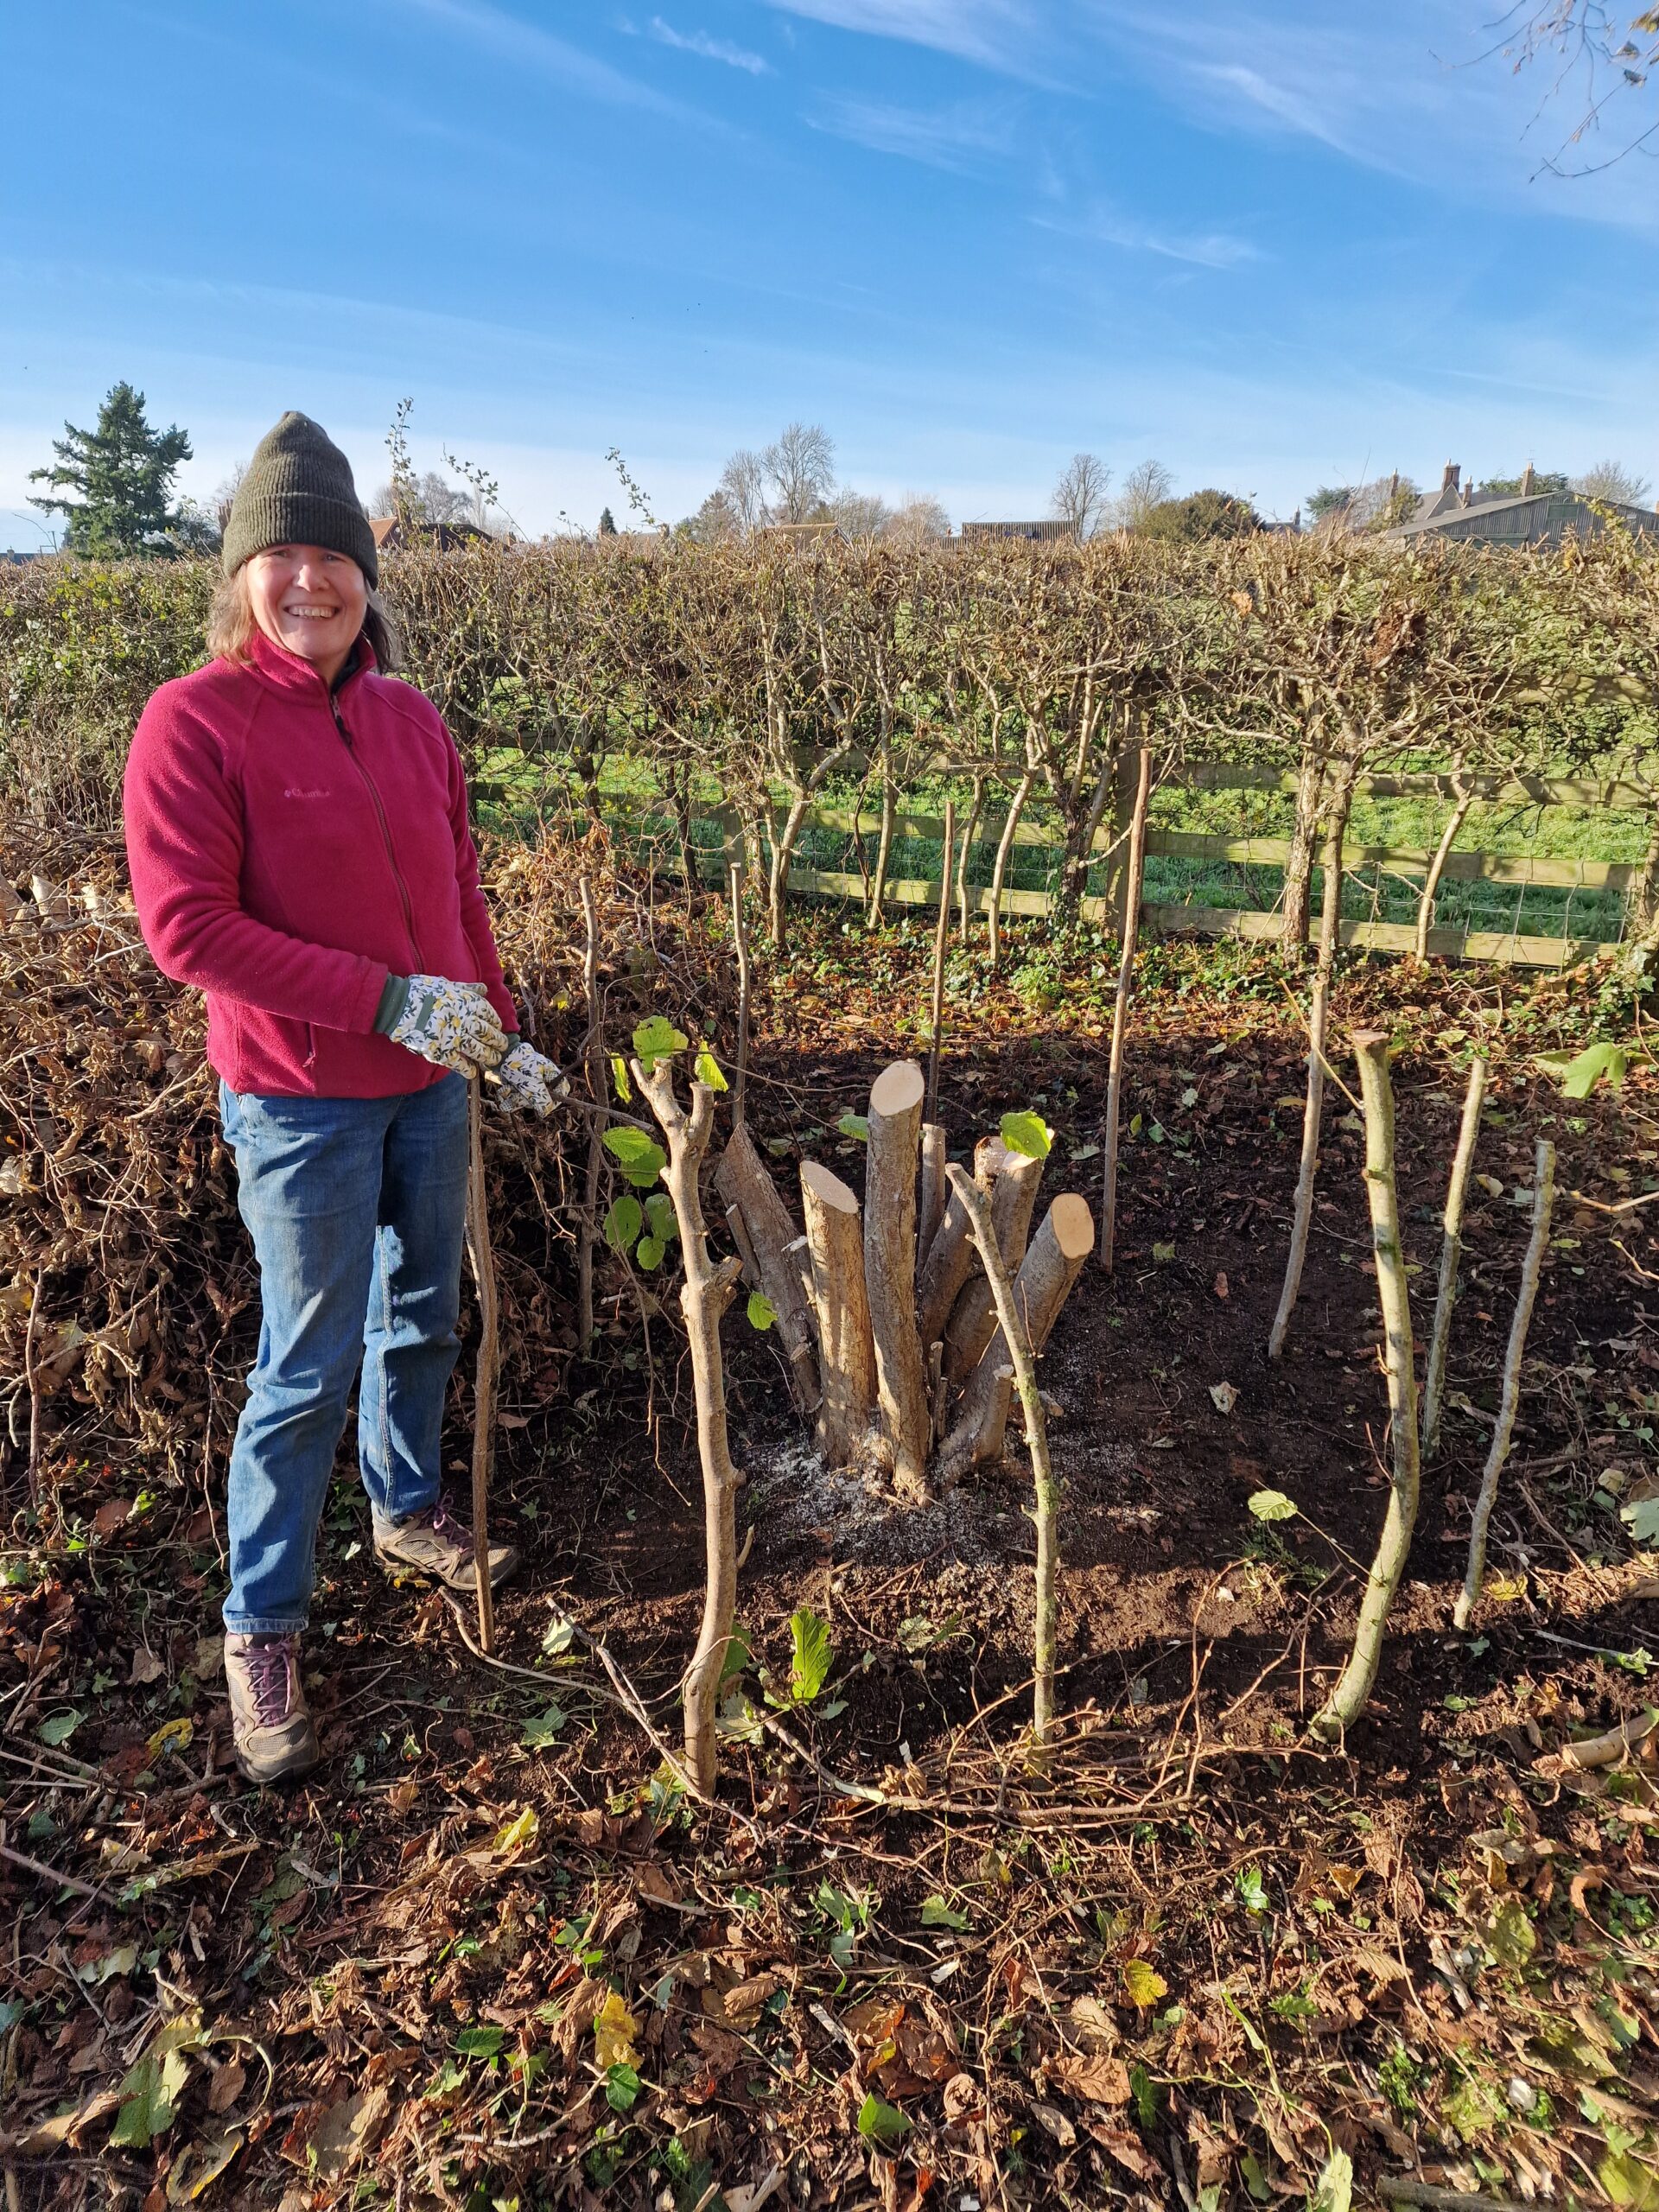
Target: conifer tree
x=120 y=475
x=607 y=524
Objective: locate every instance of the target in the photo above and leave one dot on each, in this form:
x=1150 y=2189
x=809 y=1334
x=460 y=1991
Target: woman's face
x=310 y=601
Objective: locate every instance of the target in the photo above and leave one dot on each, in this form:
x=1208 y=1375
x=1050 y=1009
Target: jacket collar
x=287 y=672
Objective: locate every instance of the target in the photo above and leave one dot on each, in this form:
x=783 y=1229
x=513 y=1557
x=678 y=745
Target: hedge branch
x=1543 y=1204
x=1456 y=1189
x=593 y=1057
x=1048 y=1516
x=1132 y=890
x=1347 y=1701
x=1318 y=1017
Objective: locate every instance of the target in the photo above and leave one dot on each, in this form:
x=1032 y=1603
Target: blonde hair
x=231 y=625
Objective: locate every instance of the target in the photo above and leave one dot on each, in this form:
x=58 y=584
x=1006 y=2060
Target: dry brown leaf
x=1096 y=2079
x=228 y=2085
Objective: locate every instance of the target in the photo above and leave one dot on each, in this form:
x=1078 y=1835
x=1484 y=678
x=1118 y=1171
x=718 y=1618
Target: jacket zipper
x=385 y=833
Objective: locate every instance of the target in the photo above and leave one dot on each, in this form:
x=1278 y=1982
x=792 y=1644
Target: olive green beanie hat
x=298 y=490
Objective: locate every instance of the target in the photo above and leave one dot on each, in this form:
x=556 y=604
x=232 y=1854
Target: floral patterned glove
x=451 y=1025
x=527 y=1081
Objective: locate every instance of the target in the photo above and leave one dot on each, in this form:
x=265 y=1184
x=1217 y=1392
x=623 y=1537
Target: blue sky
x=1273 y=246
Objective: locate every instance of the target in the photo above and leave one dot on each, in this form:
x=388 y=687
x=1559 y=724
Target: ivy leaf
x=621 y=2087
x=811 y=1655
x=648 y=1253
x=1143 y=1983
x=480 y=2042
x=1641 y=1517
x=1028 y=1134
x=762 y=1312
x=641 y=1159
x=707 y=1069
x=880 y=2122
x=856 y=1126
x=619 y=1078
x=59 y=1727
x=654 y=1039
x=937 y=1914
x=623 y=1224
x=541 y=1729
x=1271 y=1505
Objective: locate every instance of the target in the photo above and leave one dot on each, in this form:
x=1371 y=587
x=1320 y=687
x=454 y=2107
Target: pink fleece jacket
x=290 y=849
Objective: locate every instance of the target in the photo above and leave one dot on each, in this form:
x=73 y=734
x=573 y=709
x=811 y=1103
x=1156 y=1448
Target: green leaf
x=937 y=1914
x=1580 y=1076
x=1641 y=1517
x=641 y=1159
x=1629 y=2185
x=480 y=2042
x=762 y=1312
x=1252 y=1890
x=739 y=1648
x=623 y=1224
x=648 y=1253
x=1161 y=1252
x=1028 y=1134
x=855 y=1125
x=654 y=1039
x=659 y=1213
x=1512 y=1939
x=1334 y=2190
x=619 y=1078
x=149 y=2097
x=59 y=1727
x=540 y=1730
x=1144 y=2090
x=1255 y=2180
x=621 y=2087
x=1271 y=1505
x=811 y=1655
x=880 y=2122
x=707 y=1069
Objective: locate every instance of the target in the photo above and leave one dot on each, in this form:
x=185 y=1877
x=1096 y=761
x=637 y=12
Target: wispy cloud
x=1203 y=248
x=955 y=137
x=528 y=47
x=710 y=49
x=998 y=33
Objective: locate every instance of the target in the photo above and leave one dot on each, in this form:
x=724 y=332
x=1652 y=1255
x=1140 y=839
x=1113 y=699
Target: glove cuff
x=394 y=997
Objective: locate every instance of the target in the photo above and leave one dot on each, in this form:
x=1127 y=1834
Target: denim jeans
x=356 y=1208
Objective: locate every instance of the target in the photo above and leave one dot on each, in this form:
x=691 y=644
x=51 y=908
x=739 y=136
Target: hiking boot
x=270 y=1721
x=433 y=1542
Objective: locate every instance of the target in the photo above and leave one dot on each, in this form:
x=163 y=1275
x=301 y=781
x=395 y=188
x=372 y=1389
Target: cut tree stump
x=834 y=1244
x=973 y=1317
x=1047 y=1275
x=743 y=1183
x=951 y=1258
x=932 y=1210
x=895 y=1120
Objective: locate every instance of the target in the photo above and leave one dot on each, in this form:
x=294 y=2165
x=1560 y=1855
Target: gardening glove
x=451 y=1025
x=527 y=1081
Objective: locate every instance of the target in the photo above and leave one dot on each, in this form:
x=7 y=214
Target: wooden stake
x=743 y=1181
x=483 y=1262
x=931 y=1207
x=704 y=1295
x=950 y=1253
x=740 y=941
x=1136 y=877
x=895 y=1119
x=1347 y=1701
x=1013 y=1332
x=1456 y=1189
x=1049 y=1268
x=999 y=872
x=835 y=1245
x=593 y=1055
x=1543 y=1204
x=1318 y=1018
x=968 y=836
x=973 y=1317
x=941 y=937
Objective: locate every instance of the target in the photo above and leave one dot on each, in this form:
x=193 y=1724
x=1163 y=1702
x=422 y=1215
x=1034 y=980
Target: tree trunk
x=783 y=851
x=704 y=1296
x=834 y=1244
x=950 y=1253
x=1012 y=1332
x=1451 y=1253
x=930 y=1209
x=883 y=848
x=1646 y=916
x=1047 y=1275
x=1304 y=836
x=999 y=873
x=1135 y=876
x=895 y=1119
x=1318 y=1017
x=1347 y=1701
x=941 y=938
x=973 y=1317
x=1465 y=799
x=1543 y=1203
x=740 y=945
x=743 y=1182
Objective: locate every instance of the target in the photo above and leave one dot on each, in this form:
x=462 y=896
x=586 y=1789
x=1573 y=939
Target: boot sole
x=303 y=1763
x=390 y=1565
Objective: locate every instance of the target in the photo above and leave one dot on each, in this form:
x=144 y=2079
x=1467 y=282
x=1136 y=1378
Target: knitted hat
x=298 y=490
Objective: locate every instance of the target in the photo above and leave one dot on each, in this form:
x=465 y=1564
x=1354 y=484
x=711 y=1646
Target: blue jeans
x=356 y=1208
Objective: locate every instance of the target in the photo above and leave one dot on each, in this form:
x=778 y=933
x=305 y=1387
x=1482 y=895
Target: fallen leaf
x=1124 y=2146
x=146 y=1668
x=517 y=1834
x=171 y=1735
x=1223 y=1396
x=1055 y=2121
x=403 y=1795
x=1095 y=2079
x=961 y=2100
x=614 y=2033
x=348 y=2131
x=1143 y=1983
x=1222 y=1287
x=228 y=2085
x=113 y=1514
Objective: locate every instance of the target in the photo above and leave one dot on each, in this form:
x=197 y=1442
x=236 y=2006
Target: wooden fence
x=1522 y=870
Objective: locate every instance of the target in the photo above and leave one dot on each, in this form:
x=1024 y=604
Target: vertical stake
x=741 y=940
x=477 y=1242
x=930 y=1109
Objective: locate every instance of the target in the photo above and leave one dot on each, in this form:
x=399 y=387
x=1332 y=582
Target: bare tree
x=225 y=495
x=861 y=514
x=800 y=469
x=1612 y=480
x=431 y=498
x=919 y=519
x=742 y=484
x=1080 y=495
x=1605 y=54
x=1147 y=484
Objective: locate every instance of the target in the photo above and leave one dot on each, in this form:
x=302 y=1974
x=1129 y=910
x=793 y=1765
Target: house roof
x=1520 y=517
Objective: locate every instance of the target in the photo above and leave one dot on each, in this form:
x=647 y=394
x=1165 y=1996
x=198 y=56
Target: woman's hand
x=451 y=1025
x=527 y=1081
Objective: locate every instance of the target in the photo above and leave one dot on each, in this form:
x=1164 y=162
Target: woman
x=297 y=828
